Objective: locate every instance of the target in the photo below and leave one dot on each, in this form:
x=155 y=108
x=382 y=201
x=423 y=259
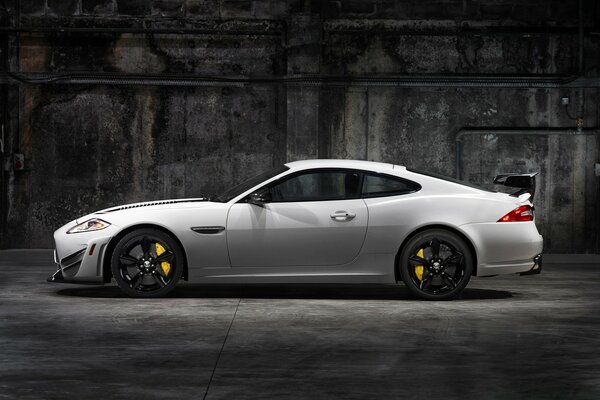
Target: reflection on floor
x=534 y=337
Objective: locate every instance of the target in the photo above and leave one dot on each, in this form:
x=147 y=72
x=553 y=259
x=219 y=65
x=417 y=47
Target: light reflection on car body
x=313 y=221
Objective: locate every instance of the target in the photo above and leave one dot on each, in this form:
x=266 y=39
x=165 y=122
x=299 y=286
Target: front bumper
x=58 y=277
x=80 y=257
x=70 y=265
x=83 y=266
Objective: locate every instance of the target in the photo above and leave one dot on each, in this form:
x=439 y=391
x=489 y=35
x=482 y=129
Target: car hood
x=148 y=205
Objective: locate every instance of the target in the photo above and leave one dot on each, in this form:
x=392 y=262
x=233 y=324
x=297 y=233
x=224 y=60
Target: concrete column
x=303 y=57
x=356 y=124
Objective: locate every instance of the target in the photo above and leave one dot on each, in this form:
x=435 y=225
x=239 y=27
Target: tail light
x=519 y=214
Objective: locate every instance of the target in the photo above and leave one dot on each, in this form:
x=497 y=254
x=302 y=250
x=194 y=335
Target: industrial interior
x=110 y=102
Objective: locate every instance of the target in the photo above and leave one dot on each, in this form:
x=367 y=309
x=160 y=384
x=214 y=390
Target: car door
x=312 y=218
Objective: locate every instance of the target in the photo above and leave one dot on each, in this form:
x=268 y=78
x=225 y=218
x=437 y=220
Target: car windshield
x=449 y=179
x=244 y=186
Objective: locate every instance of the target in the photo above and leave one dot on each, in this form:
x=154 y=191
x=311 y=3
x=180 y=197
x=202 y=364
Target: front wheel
x=147 y=263
x=436 y=265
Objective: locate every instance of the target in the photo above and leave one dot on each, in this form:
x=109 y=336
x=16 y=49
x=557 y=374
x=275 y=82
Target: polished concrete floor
x=535 y=337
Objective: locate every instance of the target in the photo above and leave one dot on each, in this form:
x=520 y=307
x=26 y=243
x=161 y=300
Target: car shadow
x=313 y=292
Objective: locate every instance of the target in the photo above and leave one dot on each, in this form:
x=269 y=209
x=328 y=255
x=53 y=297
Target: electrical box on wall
x=19 y=162
x=597 y=169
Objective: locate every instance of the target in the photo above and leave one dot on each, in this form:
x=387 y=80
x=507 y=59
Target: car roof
x=354 y=164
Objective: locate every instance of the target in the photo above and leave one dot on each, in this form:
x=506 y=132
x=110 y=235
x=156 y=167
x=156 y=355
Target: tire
x=147 y=263
x=440 y=277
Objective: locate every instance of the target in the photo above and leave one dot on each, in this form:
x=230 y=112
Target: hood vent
x=152 y=203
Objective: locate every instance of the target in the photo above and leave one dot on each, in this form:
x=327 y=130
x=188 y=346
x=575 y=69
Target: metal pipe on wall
x=133 y=30
x=169 y=30
x=160 y=79
x=330 y=26
x=581 y=60
x=333 y=26
x=511 y=131
x=4 y=119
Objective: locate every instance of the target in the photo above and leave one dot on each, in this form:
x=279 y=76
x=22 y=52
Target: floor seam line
x=221 y=350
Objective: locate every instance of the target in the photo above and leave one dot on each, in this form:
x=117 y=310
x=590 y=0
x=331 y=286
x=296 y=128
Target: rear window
x=386 y=185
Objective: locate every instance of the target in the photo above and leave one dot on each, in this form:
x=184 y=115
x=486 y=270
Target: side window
x=386 y=185
x=317 y=186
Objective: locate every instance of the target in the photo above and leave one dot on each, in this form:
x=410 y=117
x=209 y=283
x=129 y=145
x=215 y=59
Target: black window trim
x=284 y=178
x=362 y=173
x=416 y=187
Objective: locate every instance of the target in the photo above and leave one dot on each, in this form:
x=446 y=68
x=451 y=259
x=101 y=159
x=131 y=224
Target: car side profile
x=313 y=221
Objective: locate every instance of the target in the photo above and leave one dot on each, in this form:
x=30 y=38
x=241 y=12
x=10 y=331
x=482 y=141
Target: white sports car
x=314 y=221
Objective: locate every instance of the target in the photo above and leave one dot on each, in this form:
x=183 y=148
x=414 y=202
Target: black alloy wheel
x=147 y=263
x=436 y=265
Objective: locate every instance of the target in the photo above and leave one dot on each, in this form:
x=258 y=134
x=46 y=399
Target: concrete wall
x=92 y=146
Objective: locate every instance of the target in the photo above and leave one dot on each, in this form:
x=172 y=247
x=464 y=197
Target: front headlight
x=94 y=224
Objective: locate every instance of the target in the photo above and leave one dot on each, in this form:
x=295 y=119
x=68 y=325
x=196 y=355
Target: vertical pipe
x=581 y=38
x=457 y=158
x=4 y=46
x=367 y=126
x=581 y=92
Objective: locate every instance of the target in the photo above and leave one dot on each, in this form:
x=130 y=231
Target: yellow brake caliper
x=419 y=268
x=165 y=265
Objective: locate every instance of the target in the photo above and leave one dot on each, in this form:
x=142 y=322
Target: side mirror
x=260 y=199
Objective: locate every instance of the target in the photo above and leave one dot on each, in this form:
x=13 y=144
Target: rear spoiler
x=525 y=183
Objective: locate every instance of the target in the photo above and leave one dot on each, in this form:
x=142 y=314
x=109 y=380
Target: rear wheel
x=147 y=263
x=436 y=264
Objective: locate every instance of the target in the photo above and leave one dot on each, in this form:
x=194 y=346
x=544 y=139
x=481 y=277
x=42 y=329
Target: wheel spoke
x=127 y=259
x=448 y=280
x=456 y=257
x=426 y=281
x=145 y=243
x=136 y=281
x=417 y=260
x=160 y=271
x=166 y=256
x=158 y=279
x=435 y=247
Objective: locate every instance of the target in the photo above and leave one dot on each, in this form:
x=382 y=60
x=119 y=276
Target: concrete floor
x=535 y=337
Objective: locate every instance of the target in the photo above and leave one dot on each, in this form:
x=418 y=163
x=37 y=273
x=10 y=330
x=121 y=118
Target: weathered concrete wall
x=92 y=146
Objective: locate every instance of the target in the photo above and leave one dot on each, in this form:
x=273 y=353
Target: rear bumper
x=505 y=248
x=537 y=266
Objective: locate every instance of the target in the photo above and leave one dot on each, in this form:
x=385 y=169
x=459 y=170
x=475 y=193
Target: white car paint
x=301 y=242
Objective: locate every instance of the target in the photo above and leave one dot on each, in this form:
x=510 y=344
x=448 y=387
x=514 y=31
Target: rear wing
x=525 y=183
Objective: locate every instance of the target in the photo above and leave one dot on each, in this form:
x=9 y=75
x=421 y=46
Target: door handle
x=342 y=216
